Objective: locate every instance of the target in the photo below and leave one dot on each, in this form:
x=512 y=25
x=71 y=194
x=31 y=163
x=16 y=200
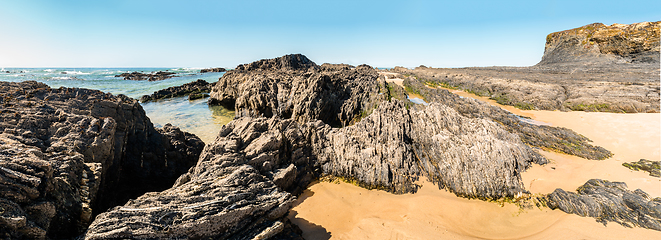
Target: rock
x=138 y=76
x=545 y=137
x=239 y=188
x=195 y=87
x=195 y=96
x=592 y=68
x=609 y=202
x=206 y=70
x=68 y=154
x=653 y=167
x=638 y=42
x=292 y=86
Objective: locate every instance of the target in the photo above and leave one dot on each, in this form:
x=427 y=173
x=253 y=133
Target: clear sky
x=133 y=33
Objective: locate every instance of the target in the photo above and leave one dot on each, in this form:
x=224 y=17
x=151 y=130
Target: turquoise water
x=191 y=116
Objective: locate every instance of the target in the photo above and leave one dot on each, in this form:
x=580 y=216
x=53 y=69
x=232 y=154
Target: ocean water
x=191 y=116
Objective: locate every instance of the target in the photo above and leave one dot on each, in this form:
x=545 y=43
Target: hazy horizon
x=200 y=34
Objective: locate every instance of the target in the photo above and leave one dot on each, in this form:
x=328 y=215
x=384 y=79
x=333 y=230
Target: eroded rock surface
x=293 y=86
x=192 y=88
x=138 y=76
x=652 y=167
x=68 y=153
x=609 y=202
x=545 y=137
x=240 y=189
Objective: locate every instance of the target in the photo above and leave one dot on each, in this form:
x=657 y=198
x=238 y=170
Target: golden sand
x=344 y=211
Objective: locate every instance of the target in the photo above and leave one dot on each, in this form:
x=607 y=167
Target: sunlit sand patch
x=344 y=211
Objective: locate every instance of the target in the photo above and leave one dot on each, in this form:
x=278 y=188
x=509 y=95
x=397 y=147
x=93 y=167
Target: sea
x=192 y=116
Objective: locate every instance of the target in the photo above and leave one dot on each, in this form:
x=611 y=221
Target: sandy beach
x=344 y=211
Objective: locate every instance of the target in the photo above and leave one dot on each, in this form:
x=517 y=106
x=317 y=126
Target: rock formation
x=592 y=68
x=206 y=70
x=545 y=137
x=292 y=86
x=609 y=201
x=191 y=88
x=238 y=189
x=598 y=43
x=68 y=154
x=652 y=167
x=138 y=76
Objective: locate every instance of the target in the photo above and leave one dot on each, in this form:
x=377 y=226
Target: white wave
x=65 y=78
x=75 y=72
x=49 y=70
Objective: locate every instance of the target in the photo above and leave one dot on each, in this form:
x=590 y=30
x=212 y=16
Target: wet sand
x=344 y=211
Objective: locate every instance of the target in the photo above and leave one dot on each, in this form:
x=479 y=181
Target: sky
x=227 y=33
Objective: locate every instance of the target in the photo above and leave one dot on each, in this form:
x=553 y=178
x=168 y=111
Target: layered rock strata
x=638 y=42
x=192 y=88
x=67 y=154
x=545 y=137
x=240 y=189
x=138 y=76
x=609 y=202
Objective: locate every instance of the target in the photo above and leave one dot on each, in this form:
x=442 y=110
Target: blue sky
x=226 y=33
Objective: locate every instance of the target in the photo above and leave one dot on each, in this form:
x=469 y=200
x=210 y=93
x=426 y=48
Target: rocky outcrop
x=545 y=137
x=138 y=76
x=191 y=88
x=68 y=154
x=294 y=87
x=392 y=147
x=598 y=43
x=240 y=188
x=244 y=181
x=609 y=202
x=206 y=70
x=652 y=167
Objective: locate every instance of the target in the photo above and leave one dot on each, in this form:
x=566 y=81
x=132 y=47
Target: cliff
x=599 y=43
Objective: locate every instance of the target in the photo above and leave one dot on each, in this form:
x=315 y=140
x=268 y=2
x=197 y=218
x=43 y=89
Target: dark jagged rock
x=609 y=202
x=138 y=76
x=292 y=86
x=652 y=167
x=196 y=87
x=69 y=153
x=206 y=70
x=195 y=96
x=237 y=190
x=546 y=137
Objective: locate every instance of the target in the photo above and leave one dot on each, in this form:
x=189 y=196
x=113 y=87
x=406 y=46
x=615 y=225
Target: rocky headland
x=138 y=76
x=591 y=68
x=195 y=90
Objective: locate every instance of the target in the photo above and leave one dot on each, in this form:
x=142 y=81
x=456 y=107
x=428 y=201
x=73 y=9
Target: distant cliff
x=599 y=43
